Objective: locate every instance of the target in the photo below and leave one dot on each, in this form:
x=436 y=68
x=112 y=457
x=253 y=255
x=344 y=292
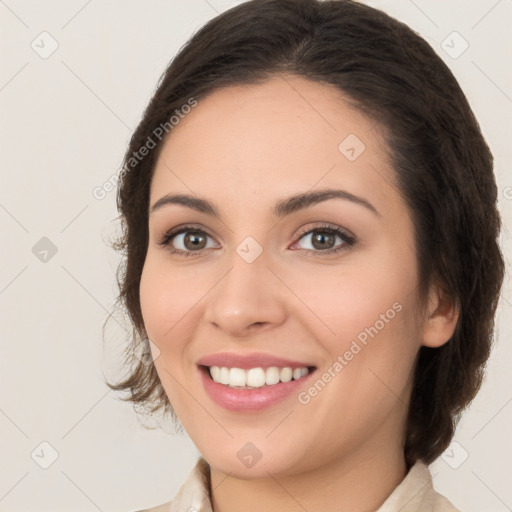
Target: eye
x=322 y=239
x=186 y=240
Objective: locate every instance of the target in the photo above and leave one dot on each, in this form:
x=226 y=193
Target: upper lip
x=247 y=361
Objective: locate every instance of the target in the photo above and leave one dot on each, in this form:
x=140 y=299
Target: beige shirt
x=414 y=494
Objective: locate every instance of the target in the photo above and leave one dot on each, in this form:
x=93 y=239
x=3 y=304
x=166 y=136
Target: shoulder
x=417 y=494
x=437 y=502
x=166 y=507
x=193 y=495
x=442 y=504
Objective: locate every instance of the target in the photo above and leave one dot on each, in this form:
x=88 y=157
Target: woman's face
x=263 y=279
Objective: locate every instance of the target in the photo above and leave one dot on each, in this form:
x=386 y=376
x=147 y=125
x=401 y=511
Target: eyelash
x=325 y=228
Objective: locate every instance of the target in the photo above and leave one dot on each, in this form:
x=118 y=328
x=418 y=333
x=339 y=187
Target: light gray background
x=65 y=123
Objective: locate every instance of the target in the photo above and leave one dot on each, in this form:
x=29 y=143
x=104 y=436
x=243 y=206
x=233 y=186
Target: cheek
x=364 y=318
x=357 y=298
x=169 y=310
x=167 y=304
x=372 y=313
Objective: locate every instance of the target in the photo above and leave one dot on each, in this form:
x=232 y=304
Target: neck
x=359 y=481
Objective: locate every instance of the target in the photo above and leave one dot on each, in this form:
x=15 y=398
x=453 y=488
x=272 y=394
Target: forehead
x=280 y=137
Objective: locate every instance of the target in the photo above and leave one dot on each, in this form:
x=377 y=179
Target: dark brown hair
x=443 y=166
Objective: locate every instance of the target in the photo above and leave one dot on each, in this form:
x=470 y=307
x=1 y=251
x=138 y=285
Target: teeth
x=255 y=377
x=224 y=376
x=286 y=374
x=215 y=373
x=272 y=376
x=237 y=377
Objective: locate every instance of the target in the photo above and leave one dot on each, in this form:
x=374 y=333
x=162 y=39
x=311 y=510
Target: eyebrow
x=281 y=209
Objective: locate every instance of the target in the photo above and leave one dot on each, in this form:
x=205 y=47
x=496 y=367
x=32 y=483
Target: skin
x=244 y=148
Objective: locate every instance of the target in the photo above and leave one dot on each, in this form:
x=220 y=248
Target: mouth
x=256 y=377
x=252 y=382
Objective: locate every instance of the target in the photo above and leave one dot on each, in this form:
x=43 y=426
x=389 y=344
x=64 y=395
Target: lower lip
x=244 y=400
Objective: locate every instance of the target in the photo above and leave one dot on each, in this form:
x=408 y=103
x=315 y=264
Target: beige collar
x=414 y=494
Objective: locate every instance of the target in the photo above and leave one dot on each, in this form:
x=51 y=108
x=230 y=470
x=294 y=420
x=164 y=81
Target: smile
x=254 y=378
x=252 y=390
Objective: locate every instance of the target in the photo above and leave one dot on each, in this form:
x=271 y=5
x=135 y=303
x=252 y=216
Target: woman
x=310 y=227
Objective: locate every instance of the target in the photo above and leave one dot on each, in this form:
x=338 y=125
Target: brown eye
x=322 y=239
x=194 y=240
x=186 y=241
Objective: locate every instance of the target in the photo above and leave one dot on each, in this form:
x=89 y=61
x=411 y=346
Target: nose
x=249 y=298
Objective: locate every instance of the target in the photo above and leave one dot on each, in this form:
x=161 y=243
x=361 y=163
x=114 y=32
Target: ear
x=440 y=318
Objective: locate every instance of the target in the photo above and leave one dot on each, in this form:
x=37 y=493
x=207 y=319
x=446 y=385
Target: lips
x=248 y=361
x=240 y=399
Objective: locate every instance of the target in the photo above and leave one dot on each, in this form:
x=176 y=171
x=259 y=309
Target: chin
x=247 y=460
